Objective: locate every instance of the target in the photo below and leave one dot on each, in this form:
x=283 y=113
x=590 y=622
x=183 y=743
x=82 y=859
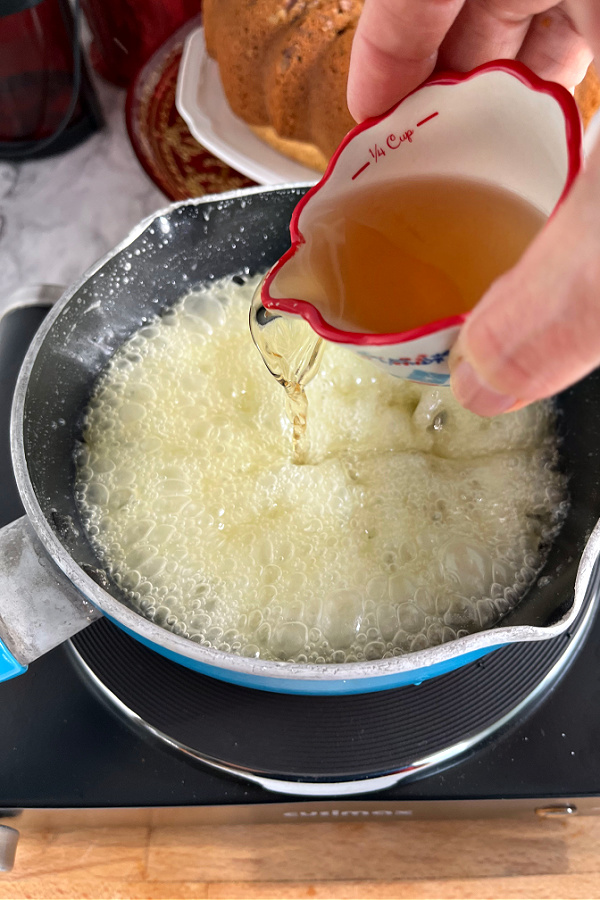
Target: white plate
x=201 y=102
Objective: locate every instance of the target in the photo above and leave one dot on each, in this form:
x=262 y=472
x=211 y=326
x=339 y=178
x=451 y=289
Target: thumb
x=537 y=329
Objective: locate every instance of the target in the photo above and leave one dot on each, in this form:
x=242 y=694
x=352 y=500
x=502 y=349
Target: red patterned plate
x=173 y=159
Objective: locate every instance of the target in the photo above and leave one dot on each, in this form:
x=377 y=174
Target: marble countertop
x=59 y=215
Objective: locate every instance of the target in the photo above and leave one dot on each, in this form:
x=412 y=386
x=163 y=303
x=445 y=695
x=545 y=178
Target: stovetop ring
x=323 y=746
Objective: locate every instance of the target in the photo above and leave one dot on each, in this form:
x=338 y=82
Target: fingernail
x=471 y=392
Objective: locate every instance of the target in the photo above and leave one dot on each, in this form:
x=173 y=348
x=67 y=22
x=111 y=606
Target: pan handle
x=39 y=607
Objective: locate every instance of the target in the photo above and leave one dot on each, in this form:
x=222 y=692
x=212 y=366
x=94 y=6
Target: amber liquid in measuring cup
x=390 y=260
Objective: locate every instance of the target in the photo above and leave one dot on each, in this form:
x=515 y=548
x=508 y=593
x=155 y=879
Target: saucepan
x=51 y=582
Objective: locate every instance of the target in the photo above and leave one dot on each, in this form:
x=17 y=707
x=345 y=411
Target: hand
x=399 y=43
x=537 y=329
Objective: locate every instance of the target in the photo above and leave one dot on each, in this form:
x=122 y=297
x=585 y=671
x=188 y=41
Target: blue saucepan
x=52 y=584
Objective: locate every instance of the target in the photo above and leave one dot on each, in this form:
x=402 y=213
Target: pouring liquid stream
x=292 y=353
x=386 y=261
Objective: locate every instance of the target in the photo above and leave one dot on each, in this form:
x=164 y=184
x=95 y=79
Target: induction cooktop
x=104 y=722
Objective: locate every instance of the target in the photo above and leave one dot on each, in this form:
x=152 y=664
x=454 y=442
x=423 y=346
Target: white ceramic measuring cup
x=499 y=124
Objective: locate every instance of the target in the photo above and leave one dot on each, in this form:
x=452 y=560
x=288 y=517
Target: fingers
x=397 y=42
x=537 y=32
x=586 y=16
x=394 y=50
x=485 y=30
x=537 y=330
x=554 y=49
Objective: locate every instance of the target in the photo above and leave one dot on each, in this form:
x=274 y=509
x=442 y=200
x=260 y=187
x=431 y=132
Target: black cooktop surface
x=61 y=745
x=321 y=739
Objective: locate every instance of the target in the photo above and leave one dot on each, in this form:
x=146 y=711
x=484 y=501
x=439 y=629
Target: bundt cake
x=284 y=68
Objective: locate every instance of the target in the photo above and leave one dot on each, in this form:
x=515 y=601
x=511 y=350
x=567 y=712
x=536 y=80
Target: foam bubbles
x=413 y=521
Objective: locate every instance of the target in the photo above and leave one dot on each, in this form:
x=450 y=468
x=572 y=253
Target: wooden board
x=508 y=858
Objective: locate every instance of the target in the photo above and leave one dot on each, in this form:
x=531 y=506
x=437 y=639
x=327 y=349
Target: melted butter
x=412 y=521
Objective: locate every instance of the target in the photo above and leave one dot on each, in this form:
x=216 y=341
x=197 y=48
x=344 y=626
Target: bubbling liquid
x=411 y=522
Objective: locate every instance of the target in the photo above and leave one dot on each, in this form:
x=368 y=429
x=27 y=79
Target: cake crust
x=587 y=95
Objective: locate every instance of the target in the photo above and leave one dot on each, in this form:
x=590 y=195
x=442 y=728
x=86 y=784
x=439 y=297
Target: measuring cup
x=499 y=124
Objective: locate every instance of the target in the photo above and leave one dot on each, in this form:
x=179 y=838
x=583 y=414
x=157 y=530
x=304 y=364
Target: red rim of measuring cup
x=573 y=134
